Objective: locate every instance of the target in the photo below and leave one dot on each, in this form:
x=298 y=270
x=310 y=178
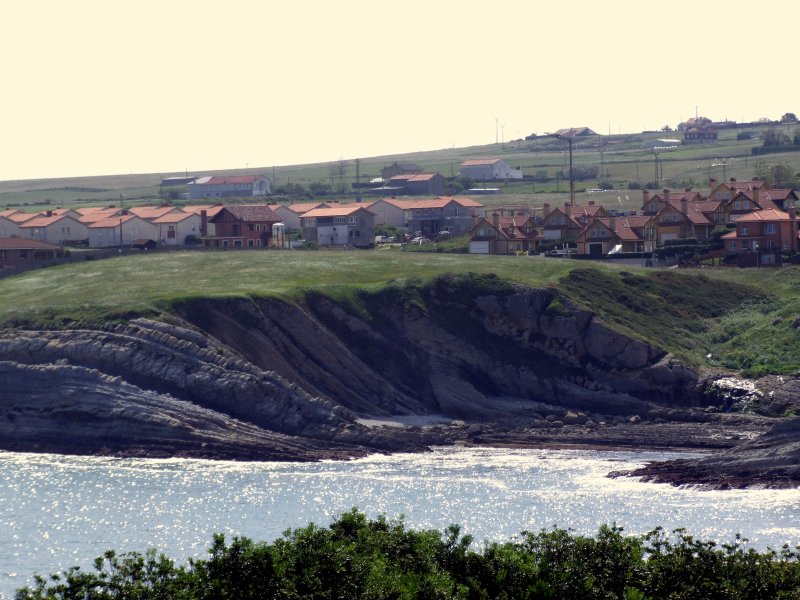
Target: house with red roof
x=449 y=213
x=239 y=226
x=390 y=212
x=178 y=228
x=504 y=235
x=725 y=190
x=61 y=227
x=16 y=251
x=10 y=220
x=152 y=212
x=625 y=233
x=765 y=233
x=290 y=213
x=744 y=202
x=229 y=186
x=340 y=225
x=489 y=169
x=120 y=230
x=566 y=223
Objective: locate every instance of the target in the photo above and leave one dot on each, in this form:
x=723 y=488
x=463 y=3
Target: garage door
x=479 y=247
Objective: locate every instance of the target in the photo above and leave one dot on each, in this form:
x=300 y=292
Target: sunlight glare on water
x=59 y=511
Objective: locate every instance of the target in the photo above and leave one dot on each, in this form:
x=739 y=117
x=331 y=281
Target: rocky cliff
x=274 y=379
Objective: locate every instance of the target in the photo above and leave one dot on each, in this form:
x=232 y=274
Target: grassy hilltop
x=737 y=319
x=623 y=163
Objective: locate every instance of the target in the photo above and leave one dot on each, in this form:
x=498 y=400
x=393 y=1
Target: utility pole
x=358 y=180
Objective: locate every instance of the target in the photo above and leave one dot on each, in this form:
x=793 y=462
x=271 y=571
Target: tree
x=773 y=137
x=789 y=117
x=318 y=188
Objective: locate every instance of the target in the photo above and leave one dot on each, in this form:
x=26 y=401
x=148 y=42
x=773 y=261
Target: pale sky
x=95 y=87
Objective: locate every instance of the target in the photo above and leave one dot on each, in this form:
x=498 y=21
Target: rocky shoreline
x=452 y=363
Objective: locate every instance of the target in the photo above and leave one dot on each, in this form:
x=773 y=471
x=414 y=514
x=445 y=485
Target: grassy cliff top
x=746 y=320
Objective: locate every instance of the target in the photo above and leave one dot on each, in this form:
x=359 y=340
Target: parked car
x=420 y=240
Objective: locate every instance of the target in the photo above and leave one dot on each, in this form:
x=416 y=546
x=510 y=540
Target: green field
x=746 y=320
x=623 y=162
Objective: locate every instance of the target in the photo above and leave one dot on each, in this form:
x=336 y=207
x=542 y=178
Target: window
x=770 y=228
x=744 y=231
x=250 y=243
x=737 y=205
x=250 y=227
x=340 y=220
x=732 y=245
x=353 y=221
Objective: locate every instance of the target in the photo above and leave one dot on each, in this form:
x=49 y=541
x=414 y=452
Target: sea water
x=59 y=511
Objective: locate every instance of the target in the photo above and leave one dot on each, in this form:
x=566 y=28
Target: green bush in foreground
x=356 y=557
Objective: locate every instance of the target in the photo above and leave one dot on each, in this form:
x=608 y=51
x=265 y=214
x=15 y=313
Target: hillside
x=302 y=356
x=620 y=160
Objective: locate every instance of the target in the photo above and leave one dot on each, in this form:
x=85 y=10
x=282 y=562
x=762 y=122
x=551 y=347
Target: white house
x=10 y=220
x=489 y=169
x=290 y=213
x=224 y=186
x=175 y=227
x=52 y=228
x=122 y=230
x=347 y=224
x=390 y=212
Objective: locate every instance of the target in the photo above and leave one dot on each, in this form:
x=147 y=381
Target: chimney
x=203 y=223
x=684 y=206
x=645 y=196
x=666 y=196
x=687 y=190
x=712 y=182
x=496 y=219
x=49 y=213
x=733 y=179
x=591 y=202
x=612 y=224
x=756 y=195
x=546 y=210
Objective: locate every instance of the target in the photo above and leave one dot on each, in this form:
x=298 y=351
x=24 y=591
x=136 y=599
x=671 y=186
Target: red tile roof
x=110 y=222
x=211 y=209
x=303 y=207
x=45 y=221
x=250 y=213
x=15 y=243
x=20 y=217
x=176 y=217
x=336 y=211
x=151 y=212
x=766 y=214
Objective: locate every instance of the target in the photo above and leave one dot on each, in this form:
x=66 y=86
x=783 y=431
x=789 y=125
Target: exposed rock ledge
x=266 y=379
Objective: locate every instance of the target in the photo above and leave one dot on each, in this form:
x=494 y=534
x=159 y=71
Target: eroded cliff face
x=269 y=378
